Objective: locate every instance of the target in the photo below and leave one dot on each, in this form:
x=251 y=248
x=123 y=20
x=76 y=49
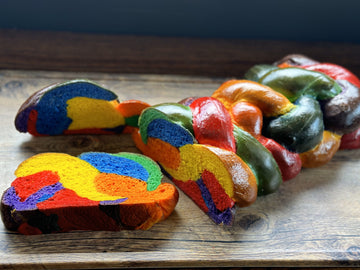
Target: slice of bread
x=56 y=192
x=77 y=106
x=196 y=148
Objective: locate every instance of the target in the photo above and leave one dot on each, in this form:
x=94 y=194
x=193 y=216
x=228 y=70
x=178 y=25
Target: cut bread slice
x=196 y=147
x=56 y=192
x=77 y=106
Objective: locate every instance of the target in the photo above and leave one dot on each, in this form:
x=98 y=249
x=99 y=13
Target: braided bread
x=331 y=87
x=268 y=126
x=225 y=150
x=341 y=113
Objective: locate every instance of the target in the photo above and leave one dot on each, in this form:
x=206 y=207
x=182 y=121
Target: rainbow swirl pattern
x=78 y=106
x=56 y=192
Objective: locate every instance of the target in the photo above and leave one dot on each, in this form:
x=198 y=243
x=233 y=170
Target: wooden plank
x=312 y=221
x=66 y=51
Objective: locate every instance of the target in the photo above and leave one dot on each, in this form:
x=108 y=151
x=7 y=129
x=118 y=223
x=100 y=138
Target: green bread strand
x=151 y=167
x=172 y=112
x=260 y=161
x=295 y=82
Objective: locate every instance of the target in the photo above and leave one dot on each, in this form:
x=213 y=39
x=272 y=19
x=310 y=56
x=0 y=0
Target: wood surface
x=312 y=221
x=66 y=51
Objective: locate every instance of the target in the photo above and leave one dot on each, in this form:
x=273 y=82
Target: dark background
x=297 y=20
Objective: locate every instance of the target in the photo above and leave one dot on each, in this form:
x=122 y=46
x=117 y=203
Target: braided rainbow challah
x=243 y=141
x=267 y=126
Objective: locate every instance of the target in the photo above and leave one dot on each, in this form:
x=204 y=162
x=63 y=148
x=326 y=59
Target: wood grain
x=312 y=221
x=66 y=51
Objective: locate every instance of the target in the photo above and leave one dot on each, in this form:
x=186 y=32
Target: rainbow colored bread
x=341 y=113
x=251 y=134
x=197 y=148
x=78 y=106
x=56 y=192
x=225 y=150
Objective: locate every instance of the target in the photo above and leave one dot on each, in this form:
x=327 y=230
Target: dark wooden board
x=313 y=220
x=66 y=51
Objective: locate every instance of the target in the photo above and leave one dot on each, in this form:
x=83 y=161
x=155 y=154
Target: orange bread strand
x=323 y=152
x=158 y=150
x=134 y=189
x=271 y=103
x=130 y=108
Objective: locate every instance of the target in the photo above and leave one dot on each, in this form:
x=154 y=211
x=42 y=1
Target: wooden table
x=312 y=221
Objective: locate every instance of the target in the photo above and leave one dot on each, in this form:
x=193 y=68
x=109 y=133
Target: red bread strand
x=351 y=140
x=221 y=200
x=26 y=229
x=31 y=124
x=65 y=198
x=335 y=72
x=289 y=163
x=28 y=185
x=212 y=123
x=191 y=188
